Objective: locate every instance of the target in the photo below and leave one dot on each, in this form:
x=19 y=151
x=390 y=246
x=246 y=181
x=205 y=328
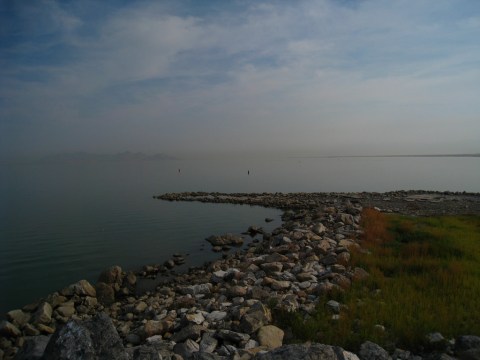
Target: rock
x=145 y=352
x=131 y=279
x=270 y=336
x=236 y=291
x=280 y=284
x=208 y=343
x=372 y=351
x=232 y=336
x=154 y=327
x=319 y=228
x=467 y=347
x=140 y=307
x=333 y=306
x=66 y=310
x=218 y=276
x=227 y=239
x=8 y=329
x=43 y=315
x=257 y=316
x=268 y=220
x=80 y=288
x=133 y=339
x=186 y=349
x=200 y=355
x=216 y=316
x=92 y=339
x=105 y=293
x=18 y=317
x=30 y=330
x=192 y=331
x=196 y=289
x=45 y=329
x=329 y=259
x=305 y=351
x=112 y=275
x=435 y=341
x=33 y=348
x=359 y=274
x=196 y=318
x=271 y=267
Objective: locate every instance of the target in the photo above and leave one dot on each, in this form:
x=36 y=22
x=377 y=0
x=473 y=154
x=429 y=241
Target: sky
x=323 y=77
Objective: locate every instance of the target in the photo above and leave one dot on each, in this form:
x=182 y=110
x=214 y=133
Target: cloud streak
x=313 y=76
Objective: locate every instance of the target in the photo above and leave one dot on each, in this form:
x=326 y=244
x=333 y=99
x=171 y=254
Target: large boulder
x=80 y=288
x=105 y=293
x=305 y=351
x=467 y=347
x=93 y=339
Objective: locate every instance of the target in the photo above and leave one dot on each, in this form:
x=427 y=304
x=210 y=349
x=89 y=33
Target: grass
x=424 y=277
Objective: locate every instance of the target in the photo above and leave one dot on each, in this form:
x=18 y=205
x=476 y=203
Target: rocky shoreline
x=223 y=310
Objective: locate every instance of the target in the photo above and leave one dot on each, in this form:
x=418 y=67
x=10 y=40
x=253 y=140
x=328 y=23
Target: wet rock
x=43 y=315
x=33 y=348
x=92 y=339
x=227 y=239
x=8 y=329
x=270 y=336
x=372 y=351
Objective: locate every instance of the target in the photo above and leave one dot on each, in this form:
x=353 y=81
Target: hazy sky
x=324 y=76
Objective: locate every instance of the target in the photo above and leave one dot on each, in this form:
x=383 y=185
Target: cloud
x=308 y=75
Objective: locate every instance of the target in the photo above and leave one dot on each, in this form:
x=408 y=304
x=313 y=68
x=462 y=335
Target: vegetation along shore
x=347 y=276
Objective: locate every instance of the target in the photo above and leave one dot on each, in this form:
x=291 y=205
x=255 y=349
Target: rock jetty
x=223 y=310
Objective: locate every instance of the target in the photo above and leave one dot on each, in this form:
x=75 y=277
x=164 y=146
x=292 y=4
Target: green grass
x=424 y=277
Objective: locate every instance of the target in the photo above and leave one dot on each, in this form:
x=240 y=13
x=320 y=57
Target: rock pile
x=218 y=311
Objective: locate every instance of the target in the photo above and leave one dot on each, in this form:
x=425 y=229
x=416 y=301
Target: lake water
x=61 y=222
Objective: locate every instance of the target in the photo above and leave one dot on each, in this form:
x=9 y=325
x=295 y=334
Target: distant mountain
x=94 y=157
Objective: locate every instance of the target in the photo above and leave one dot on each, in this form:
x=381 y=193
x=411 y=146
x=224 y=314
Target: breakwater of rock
x=223 y=310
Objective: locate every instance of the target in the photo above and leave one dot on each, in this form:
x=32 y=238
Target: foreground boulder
x=305 y=351
x=93 y=339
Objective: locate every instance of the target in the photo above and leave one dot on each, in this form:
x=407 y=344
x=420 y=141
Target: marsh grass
x=424 y=277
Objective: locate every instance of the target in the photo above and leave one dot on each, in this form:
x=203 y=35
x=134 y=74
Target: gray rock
x=43 y=315
x=467 y=347
x=145 y=352
x=308 y=352
x=435 y=341
x=186 y=349
x=191 y=331
x=133 y=339
x=208 y=343
x=105 y=293
x=8 y=329
x=200 y=355
x=96 y=338
x=33 y=348
x=333 y=306
x=372 y=351
x=232 y=336
x=216 y=316
x=196 y=289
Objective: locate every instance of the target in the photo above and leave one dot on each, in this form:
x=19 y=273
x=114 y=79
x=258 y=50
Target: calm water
x=63 y=222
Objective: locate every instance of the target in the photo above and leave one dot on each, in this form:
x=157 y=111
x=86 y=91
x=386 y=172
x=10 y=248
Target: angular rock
x=154 y=327
x=215 y=316
x=270 y=336
x=8 y=329
x=43 y=315
x=372 y=351
x=105 y=293
x=33 y=348
x=232 y=336
x=191 y=331
x=208 y=343
x=80 y=288
x=271 y=267
x=18 y=317
x=258 y=316
x=186 y=349
x=96 y=338
x=196 y=289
